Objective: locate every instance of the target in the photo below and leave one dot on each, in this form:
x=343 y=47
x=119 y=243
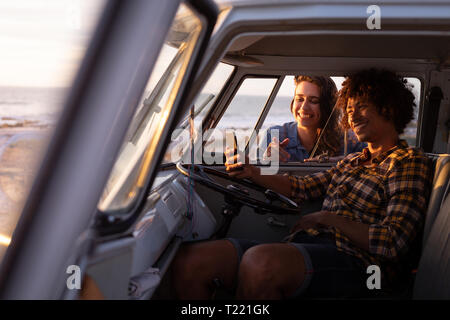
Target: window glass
x=208 y=96
x=131 y=168
x=240 y=117
x=280 y=110
x=411 y=129
x=410 y=134
x=280 y=113
x=42 y=45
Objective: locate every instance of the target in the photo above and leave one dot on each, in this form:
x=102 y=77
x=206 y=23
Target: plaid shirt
x=390 y=195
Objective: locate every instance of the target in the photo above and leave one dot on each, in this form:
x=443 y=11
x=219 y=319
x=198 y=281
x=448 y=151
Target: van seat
x=435 y=254
x=440 y=188
x=432 y=280
x=433 y=275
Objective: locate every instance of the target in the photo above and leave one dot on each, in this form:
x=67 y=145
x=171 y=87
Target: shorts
x=330 y=273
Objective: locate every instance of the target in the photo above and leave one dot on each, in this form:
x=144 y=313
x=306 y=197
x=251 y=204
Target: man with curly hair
x=372 y=213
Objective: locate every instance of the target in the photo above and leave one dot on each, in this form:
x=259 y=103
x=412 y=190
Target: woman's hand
x=238 y=169
x=276 y=146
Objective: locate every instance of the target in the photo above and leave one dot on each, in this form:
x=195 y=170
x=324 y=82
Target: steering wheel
x=235 y=193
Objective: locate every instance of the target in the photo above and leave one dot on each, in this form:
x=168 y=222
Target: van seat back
x=440 y=188
x=433 y=274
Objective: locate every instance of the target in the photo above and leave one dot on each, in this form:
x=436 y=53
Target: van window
x=128 y=175
x=280 y=110
x=42 y=45
x=410 y=134
x=241 y=116
x=181 y=136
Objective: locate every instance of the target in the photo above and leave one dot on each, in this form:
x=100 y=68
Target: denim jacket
x=295 y=149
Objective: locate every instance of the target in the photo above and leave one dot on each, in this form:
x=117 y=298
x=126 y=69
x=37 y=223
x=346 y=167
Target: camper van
x=135 y=165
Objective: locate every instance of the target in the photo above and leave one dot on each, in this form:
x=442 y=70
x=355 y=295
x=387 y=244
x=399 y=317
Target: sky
x=43 y=41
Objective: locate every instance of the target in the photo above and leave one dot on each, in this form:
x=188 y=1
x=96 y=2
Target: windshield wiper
x=151 y=104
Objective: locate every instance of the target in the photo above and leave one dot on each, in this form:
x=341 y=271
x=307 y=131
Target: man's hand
x=276 y=146
x=238 y=169
x=312 y=220
x=357 y=232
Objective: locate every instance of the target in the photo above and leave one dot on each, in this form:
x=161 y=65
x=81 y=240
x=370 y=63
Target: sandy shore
x=21 y=150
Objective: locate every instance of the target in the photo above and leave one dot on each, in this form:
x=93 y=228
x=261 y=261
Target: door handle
x=274 y=222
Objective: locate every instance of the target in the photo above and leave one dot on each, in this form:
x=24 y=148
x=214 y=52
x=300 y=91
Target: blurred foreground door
x=56 y=227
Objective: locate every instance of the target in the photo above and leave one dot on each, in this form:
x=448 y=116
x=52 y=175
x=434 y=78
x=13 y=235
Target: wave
x=11 y=122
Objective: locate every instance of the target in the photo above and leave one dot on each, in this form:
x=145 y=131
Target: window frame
x=57 y=227
x=225 y=98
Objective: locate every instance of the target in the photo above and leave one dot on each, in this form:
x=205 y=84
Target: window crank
x=274 y=222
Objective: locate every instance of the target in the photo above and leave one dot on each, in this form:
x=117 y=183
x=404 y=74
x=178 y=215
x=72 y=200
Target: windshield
x=181 y=136
x=131 y=167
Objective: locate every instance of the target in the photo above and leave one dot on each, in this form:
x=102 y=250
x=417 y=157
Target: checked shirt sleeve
x=407 y=191
x=311 y=186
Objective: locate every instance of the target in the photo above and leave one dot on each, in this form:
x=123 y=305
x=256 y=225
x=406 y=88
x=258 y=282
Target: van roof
x=413 y=31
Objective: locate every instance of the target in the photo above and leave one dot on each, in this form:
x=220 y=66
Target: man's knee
x=205 y=259
x=197 y=265
x=270 y=271
x=258 y=266
x=186 y=261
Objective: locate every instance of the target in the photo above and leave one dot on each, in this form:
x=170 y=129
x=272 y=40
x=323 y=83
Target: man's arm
x=295 y=187
x=408 y=190
x=408 y=187
x=357 y=232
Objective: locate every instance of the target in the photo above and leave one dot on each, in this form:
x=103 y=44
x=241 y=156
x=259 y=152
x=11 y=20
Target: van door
x=57 y=226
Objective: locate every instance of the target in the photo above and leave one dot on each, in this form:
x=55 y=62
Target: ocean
x=22 y=106
x=40 y=107
x=244 y=111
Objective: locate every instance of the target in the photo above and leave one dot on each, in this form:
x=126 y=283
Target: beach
x=27 y=117
x=21 y=150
